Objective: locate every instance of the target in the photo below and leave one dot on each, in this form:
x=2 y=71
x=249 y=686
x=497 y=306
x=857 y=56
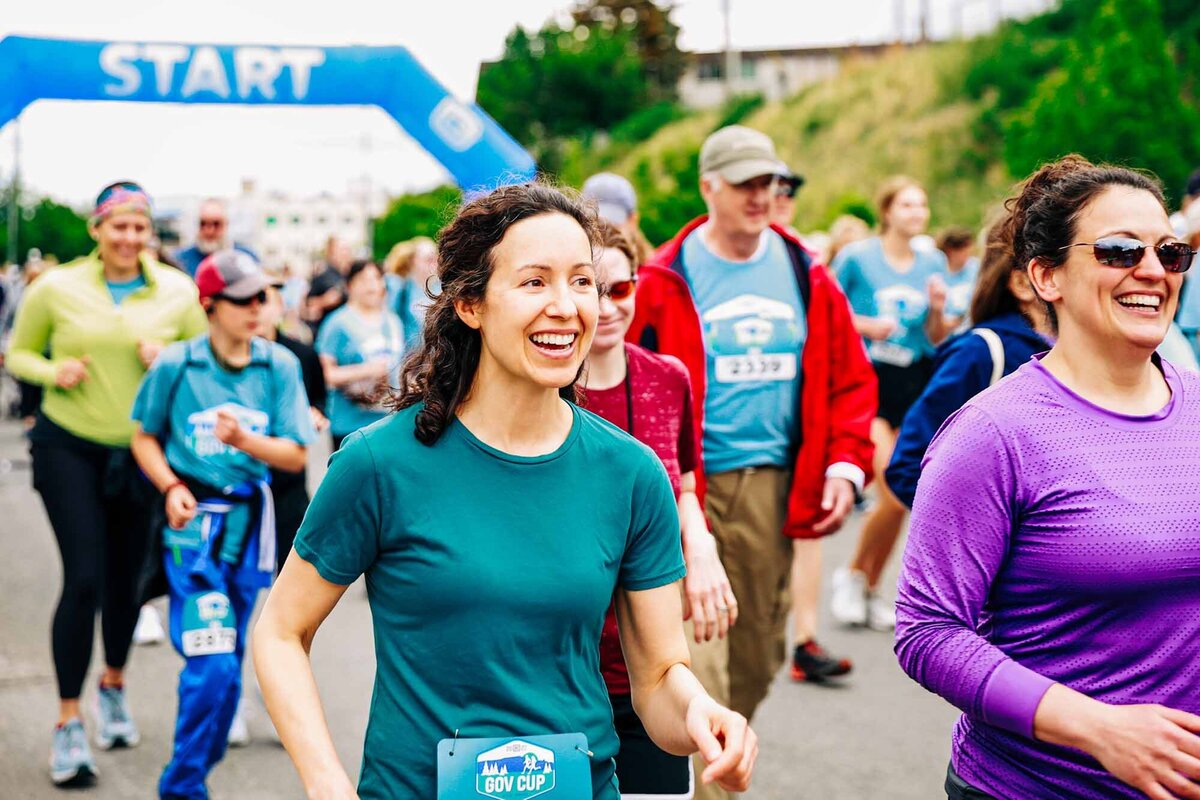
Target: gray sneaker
x=116 y=726
x=71 y=761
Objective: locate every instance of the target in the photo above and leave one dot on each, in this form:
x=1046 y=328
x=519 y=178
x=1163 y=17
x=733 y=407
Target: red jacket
x=838 y=394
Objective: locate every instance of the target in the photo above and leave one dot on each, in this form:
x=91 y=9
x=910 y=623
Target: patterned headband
x=121 y=197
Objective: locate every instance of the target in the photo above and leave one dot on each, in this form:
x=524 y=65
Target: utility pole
x=14 y=197
x=733 y=67
x=924 y=22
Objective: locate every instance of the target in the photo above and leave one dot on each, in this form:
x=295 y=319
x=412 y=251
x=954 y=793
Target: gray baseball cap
x=739 y=154
x=613 y=195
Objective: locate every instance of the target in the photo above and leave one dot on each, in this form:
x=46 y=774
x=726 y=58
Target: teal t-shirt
x=121 y=290
x=488 y=577
x=754 y=331
x=350 y=339
x=875 y=289
x=179 y=399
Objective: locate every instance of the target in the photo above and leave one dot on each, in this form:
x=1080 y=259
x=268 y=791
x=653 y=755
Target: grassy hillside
x=904 y=112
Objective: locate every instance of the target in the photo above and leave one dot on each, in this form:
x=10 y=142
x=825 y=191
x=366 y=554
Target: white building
x=281 y=228
x=775 y=74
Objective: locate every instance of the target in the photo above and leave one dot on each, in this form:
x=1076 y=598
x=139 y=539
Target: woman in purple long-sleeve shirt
x=1051 y=583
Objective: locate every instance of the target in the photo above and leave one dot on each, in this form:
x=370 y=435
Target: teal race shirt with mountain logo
x=754 y=331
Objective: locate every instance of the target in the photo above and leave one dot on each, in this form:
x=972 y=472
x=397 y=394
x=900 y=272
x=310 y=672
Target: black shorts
x=899 y=388
x=958 y=789
x=643 y=769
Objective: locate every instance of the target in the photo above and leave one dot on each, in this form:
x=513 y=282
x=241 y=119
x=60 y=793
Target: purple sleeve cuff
x=1011 y=697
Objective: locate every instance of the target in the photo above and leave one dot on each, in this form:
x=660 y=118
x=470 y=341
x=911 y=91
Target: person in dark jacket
x=1010 y=325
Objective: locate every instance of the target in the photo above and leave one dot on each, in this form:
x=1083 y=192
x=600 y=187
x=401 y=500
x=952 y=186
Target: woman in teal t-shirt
x=361 y=345
x=494 y=521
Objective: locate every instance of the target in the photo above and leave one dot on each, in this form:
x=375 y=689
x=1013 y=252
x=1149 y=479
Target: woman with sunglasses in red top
x=649 y=396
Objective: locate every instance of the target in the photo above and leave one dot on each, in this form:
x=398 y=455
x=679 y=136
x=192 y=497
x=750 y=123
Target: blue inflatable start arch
x=472 y=147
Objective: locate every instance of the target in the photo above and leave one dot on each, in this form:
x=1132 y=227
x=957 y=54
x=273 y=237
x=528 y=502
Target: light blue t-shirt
x=960 y=288
x=121 y=290
x=350 y=339
x=179 y=399
x=875 y=289
x=1188 y=315
x=754 y=330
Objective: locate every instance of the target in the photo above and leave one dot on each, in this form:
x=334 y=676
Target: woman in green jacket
x=87 y=332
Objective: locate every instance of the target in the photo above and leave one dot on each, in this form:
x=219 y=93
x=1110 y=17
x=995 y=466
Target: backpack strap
x=996 y=348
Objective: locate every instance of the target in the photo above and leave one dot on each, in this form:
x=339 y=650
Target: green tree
x=656 y=37
x=1116 y=97
x=410 y=215
x=563 y=82
x=51 y=227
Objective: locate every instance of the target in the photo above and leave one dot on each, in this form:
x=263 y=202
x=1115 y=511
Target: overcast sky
x=69 y=150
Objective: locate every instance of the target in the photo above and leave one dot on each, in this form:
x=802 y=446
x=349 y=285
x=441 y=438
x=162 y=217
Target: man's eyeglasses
x=212 y=223
x=620 y=290
x=1123 y=252
x=259 y=298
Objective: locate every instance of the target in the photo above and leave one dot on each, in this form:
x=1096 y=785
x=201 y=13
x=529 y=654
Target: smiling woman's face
x=538 y=315
x=1114 y=306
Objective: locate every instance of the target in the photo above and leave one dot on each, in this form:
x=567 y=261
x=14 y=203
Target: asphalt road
x=877 y=735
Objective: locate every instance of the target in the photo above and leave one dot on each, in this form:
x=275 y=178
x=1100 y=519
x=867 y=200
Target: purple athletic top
x=1053 y=541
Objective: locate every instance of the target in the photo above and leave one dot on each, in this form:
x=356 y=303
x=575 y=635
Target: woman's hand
x=71 y=372
x=1154 y=749
x=148 y=351
x=707 y=597
x=181 y=506
x=319 y=421
x=725 y=740
x=877 y=328
x=336 y=787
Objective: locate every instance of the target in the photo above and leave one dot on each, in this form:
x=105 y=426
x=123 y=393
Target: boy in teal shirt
x=215 y=412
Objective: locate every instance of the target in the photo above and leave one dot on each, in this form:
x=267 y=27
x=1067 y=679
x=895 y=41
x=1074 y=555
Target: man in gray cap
x=784 y=397
x=616 y=202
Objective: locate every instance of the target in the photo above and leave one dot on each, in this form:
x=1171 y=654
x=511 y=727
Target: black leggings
x=98 y=505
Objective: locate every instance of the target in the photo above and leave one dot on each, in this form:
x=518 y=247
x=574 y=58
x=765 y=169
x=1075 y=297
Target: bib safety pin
x=454 y=743
x=587 y=753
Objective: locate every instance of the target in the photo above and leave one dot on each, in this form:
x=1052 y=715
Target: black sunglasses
x=1121 y=251
x=786 y=189
x=260 y=298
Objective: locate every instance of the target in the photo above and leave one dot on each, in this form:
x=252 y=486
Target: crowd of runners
x=656 y=440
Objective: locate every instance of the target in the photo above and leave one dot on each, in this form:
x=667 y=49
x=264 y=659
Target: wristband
x=171 y=486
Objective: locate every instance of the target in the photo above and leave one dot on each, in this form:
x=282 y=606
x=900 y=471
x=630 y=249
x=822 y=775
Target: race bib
x=891 y=353
x=756 y=367
x=209 y=627
x=557 y=767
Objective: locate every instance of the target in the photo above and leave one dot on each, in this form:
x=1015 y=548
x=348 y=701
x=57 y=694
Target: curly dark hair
x=1044 y=214
x=440 y=372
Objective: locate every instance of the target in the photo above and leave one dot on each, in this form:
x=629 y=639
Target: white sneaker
x=881 y=615
x=149 y=628
x=848 y=605
x=239 y=734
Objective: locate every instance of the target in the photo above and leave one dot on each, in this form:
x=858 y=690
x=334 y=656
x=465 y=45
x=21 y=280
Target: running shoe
x=810 y=662
x=881 y=615
x=848 y=605
x=239 y=734
x=116 y=726
x=71 y=761
x=149 y=628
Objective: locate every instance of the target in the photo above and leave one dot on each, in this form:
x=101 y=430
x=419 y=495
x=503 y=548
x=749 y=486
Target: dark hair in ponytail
x=440 y=373
x=1045 y=214
x=992 y=296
